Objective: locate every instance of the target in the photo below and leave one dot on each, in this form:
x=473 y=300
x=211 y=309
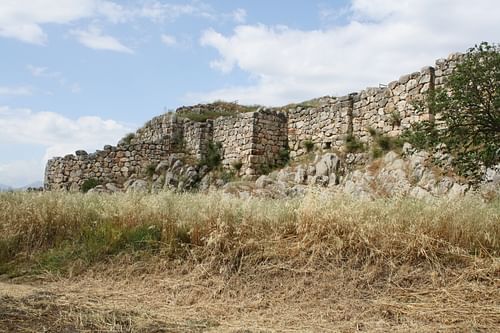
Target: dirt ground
x=274 y=299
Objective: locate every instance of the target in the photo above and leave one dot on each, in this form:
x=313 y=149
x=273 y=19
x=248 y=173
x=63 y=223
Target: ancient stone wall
x=235 y=136
x=269 y=140
x=390 y=110
x=196 y=137
x=166 y=129
x=256 y=140
x=110 y=165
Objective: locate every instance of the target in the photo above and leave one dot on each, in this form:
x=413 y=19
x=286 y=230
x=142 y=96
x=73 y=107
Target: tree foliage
x=469 y=106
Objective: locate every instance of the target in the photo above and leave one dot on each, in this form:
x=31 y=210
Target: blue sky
x=82 y=73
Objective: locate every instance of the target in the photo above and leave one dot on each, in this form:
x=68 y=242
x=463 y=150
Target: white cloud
x=15 y=91
x=168 y=40
x=21 y=172
x=55 y=133
x=239 y=15
x=22 y=19
x=59 y=134
x=382 y=40
x=161 y=11
x=94 y=39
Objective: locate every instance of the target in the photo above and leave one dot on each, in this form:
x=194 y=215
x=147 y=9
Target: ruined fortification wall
x=270 y=135
x=196 y=137
x=166 y=129
x=257 y=140
x=325 y=125
x=253 y=139
x=235 y=135
x=110 y=165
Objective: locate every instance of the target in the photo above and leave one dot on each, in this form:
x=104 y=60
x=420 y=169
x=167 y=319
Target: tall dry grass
x=54 y=230
x=185 y=261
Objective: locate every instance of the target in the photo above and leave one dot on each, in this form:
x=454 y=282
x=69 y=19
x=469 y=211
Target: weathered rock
x=162 y=167
x=139 y=186
x=171 y=180
x=327 y=165
x=300 y=176
x=112 y=187
x=263 y=181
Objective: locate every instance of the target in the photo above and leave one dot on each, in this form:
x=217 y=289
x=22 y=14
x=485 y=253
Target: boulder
x=112 y=187
x=162 y=167
x=327 y=165
x=300 y=176
x=139 y=186
x=263 y=181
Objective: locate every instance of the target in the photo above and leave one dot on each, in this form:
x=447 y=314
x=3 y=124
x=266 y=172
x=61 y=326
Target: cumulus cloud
x=22 y=19
x=381 y=41
x=94 y=39
x=57 y=134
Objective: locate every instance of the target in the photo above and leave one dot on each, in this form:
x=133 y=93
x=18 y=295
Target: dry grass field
x=213 y=263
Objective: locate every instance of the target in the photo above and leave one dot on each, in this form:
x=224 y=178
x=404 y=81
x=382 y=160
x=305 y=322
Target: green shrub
x=384 y=142
x=213 y=155
x=373 y=132
x=308 y=145
x=284 y=155
x=353 y=144
x=377 y=152
x=395 y=118
x=422 y=135
x=150 y=169
x=89 y=184
x=237 y=164
x=468 y=107
x=127 y=139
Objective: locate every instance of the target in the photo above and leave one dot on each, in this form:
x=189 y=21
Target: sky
x=79 y=74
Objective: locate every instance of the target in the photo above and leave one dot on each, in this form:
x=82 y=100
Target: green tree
x=469 y=105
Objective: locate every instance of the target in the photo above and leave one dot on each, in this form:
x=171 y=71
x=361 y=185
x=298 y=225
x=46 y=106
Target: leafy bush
x=423 y=135
x=469 y=106
x=89 y=184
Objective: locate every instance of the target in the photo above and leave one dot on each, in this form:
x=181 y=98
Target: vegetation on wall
x=469 y=107
x=217 y=109
x=353 y=144
x=89 y=184
x=213 y=156
x=127 y=139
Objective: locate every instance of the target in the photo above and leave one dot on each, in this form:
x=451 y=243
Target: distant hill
x=32 y=185
x=36 y=184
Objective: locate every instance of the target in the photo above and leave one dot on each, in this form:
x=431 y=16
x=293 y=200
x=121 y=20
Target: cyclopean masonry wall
x=253 y=139
x=260 y=139
x=110 y=165
x=325 y=125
